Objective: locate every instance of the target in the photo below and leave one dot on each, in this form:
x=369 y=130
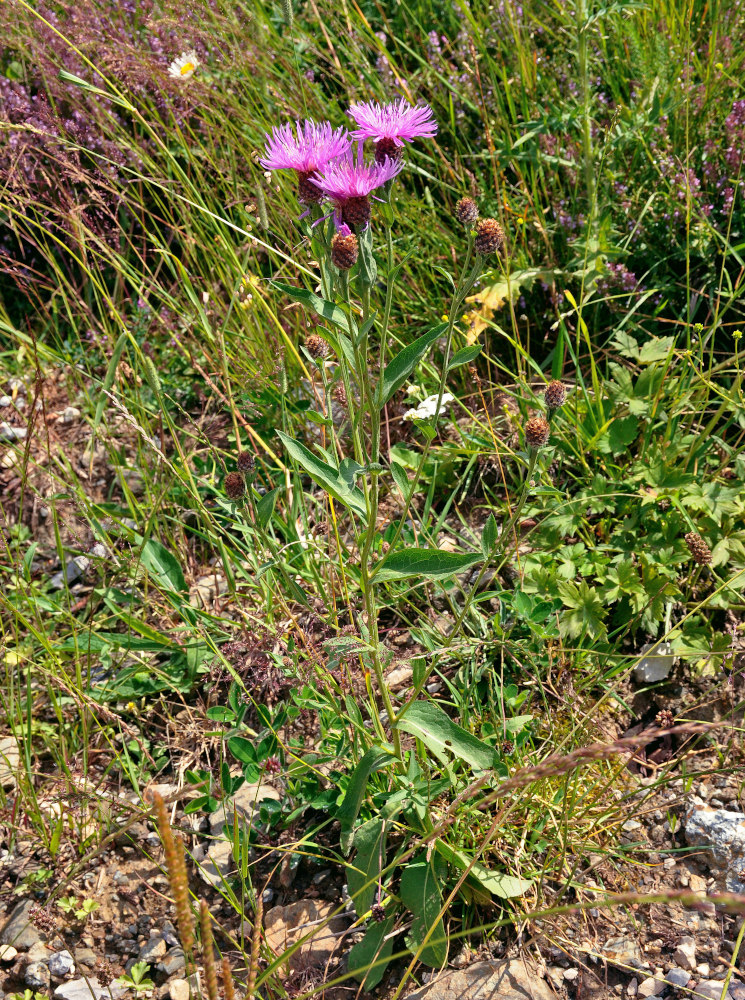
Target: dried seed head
x=466 y=211
x=489 y=237
x=246 y=463
x=234 y=486
x=208 y=951
x=344 y=251
x=508 y=747
x=698 y=548
x=316 y=346
x=105 y=972
x=555 y=395
x=665 y=719
x=537 y=432
x=377 y=912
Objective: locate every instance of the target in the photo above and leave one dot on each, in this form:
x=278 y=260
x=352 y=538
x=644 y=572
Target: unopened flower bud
x=344 y=250
x=466 y=211
x=234 y=486
x=698 y=548
x=555 y=395
x=316 y=346
x=537 y=432
x=489 y=237
x=246 y=463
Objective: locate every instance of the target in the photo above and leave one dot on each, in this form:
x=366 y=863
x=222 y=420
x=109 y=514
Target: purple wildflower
x=390 y=125
x=305 y=152
x=348 y=182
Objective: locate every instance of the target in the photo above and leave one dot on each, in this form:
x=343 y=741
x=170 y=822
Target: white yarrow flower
x=427 y=407
x=183 y=67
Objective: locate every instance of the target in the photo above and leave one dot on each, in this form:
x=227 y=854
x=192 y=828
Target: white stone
x=179 y=989
x=7 y=952
x=88 y=989
x=69 y=414
x=657 y=660
x=709 y=988
x=61 y=963
x=10 y=762
x=678 y=977
x=652 y=987
x=721 y=833
x=685 y=954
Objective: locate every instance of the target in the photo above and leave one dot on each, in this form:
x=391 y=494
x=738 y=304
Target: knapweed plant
x=393 y=810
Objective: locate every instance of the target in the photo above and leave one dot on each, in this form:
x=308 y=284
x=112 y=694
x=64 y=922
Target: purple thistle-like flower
x=348 y=182
x=391 y=125
x=306 y=149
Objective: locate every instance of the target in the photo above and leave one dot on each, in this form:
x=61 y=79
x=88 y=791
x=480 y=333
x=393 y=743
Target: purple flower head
x=348 y=182
x=391 y=125
x=305 y=150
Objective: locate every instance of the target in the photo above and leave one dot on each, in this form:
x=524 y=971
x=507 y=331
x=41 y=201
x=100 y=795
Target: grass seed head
x=234 y=486
x=489 y=237
x=466 y=212
x=537 y=432
x=345 y=250
x=555 y=395
x=698 y=548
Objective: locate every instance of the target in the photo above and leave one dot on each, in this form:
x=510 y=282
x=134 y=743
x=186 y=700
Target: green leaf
x=367 y=272
x=430 y=724
x=162 y=565
x=368 y=959
x=373 y=760
x=265 y=507
x=242 y=749
x=622 y=433
x=322 y=307
x=326 y=476
x=369 y=861
x=464 y=356
x=489 y=535
x=498 y=884
x=420 y=891
x=401 y=480
x=401 y=367
x=587 y=613
x=434 y=564
x=656 y=349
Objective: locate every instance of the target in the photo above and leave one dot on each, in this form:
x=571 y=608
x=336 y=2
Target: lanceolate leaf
x=420 y=892
x=265 y=507
x=363 y=872
x=372 y=761
x=322 y=307
x=401 y=367
x=464 y=356
x=368 y=960
x=163 y=566
x=434 y=564
x=326 y=476
x=430 y=724
x=497 y=883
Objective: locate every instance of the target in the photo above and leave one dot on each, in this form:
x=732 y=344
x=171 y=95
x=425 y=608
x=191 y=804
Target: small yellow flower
x=183 y=67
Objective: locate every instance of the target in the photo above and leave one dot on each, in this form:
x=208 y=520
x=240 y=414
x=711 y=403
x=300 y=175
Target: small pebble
x=61 y=963
x=7 y=953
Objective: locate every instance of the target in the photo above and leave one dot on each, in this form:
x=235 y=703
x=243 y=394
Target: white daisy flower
x=427 y=407
x=183 y=67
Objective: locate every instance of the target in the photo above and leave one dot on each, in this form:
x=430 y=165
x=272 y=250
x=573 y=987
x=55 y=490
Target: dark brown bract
x=537 y=432
x=466 y=211
x=489 y=237
x=555 y=395
x=344 y=251
x=698 y=548
x=234 y=486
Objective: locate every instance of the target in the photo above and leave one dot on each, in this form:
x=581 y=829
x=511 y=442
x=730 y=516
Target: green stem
x=500 y=542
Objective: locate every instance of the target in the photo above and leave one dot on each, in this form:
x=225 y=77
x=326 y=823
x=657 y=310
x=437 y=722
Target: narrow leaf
x=369 y=861
x=430 y=724
x=265 y=507
x=420 y=892
x=401 y=367
x=368 y=959
x=434 y=564
x=163 y=566
x=322 y=307
x=498 y=884
x=464 y=356
x=347 y=812
x=326 y=476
